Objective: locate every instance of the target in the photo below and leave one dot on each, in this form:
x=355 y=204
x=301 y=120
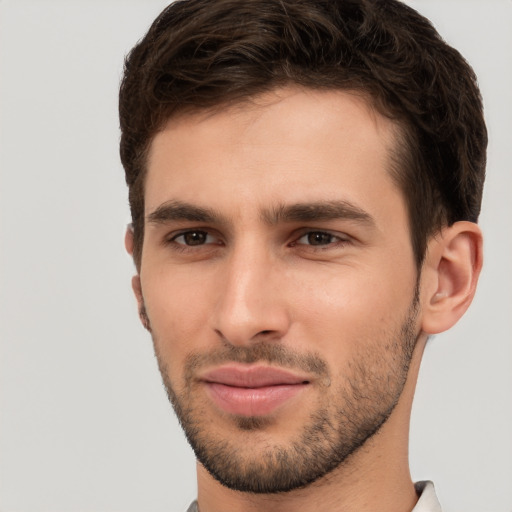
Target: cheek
x=351 y=308
x=178 y=309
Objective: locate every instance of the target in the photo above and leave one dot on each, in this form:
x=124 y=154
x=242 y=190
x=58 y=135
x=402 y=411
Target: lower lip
x=252 y=401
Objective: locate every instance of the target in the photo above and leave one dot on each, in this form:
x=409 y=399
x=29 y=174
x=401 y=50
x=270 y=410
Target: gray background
x=84 y=421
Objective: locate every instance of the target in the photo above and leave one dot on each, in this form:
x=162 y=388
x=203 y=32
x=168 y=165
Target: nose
x=251 y=304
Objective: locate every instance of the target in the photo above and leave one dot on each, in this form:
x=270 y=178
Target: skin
x=258 y=279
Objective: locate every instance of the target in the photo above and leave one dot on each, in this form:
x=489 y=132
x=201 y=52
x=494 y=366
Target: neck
x=375 y=477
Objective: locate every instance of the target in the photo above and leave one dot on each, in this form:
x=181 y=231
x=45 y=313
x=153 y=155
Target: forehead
x=289 y=145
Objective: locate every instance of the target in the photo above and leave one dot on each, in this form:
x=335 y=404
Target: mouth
x=252 y=390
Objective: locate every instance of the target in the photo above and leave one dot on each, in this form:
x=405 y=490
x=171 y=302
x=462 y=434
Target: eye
x=194 y=237
x=318 y=238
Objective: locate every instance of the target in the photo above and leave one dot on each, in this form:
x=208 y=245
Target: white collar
x=428 y=501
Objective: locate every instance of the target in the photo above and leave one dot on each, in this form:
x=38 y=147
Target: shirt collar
x=427 y=501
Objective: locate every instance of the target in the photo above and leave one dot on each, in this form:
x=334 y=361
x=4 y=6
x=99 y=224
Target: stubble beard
x=338 y=428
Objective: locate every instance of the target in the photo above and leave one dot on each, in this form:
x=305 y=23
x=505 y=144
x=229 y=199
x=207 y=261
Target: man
x=305 y=179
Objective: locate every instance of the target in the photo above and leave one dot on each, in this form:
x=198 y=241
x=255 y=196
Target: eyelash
x=335 y=240
x=172 y=241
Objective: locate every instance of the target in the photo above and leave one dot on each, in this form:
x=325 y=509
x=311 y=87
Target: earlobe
x=137 y=290
x=450 y=275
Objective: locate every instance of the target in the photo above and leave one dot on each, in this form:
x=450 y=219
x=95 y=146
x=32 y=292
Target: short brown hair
x=199 y=54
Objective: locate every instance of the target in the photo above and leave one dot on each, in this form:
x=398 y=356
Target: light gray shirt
x=427 y=501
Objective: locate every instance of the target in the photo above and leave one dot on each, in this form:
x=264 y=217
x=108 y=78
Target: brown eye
x=191 y=238
x=318 y=238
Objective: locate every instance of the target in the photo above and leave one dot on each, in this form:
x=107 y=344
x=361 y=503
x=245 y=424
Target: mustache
x=262 y=351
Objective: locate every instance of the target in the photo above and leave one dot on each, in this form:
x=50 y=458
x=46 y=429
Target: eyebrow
x=318 y=211
x=299 y=212
x=179 y=211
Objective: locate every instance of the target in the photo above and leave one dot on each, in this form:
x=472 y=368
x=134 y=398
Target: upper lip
x=252 y=376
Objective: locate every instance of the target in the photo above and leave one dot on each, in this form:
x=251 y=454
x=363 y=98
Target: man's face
x=279 y=283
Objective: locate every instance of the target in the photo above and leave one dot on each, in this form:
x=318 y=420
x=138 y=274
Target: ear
x=450 y=274
x=136 y=284
x=128 y=239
